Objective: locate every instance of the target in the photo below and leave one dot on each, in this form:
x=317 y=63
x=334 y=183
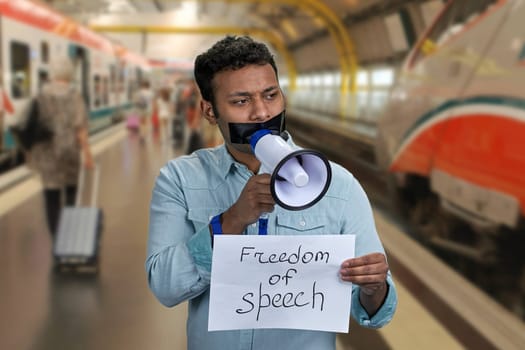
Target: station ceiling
x=174 y=29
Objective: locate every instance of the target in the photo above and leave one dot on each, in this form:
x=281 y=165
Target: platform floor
x=41 y=310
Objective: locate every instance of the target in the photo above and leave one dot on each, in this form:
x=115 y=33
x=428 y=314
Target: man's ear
x=207 y=111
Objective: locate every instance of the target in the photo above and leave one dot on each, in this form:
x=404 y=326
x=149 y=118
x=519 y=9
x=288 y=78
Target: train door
x=80 y=57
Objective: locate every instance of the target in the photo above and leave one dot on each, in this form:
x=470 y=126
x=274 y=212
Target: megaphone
x=300 y=178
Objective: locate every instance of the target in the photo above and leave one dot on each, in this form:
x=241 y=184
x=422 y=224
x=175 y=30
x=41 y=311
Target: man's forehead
x=253 y=78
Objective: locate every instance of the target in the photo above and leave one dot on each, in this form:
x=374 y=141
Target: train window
x=284 y=81
x=97 y=87
x=44 y=52
x=113 y=78
x=105 y=91
x=451 y=21
x=362 y=78
x=300 y=81
x=316 y=80
x=337 y=78
x=329 y=79
x=382 y=77
x=120 y=79
x=131 y=87
x=307 y=81
x=43 y=77
x=20 y=70
x=138 y=75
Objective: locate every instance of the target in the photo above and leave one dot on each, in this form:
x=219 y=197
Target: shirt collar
x=225 y=161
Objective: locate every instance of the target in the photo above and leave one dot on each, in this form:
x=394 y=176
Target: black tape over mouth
x=241 y=133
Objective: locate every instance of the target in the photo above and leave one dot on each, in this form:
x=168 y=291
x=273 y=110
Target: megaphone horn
x=300 y=178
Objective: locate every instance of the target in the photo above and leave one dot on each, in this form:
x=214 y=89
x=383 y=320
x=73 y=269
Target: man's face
x=249 y=94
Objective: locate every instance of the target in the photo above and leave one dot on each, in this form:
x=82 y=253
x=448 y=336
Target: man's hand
x=255 y=199
x=369 y=273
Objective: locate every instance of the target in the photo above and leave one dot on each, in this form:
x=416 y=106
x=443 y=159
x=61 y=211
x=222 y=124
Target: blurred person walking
x=191 y=101
x=143 y=101
x=178 y=123
x=164 y=111
x=58 y=159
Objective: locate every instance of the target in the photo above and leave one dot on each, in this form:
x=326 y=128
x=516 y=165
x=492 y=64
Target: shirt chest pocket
x=300 y=224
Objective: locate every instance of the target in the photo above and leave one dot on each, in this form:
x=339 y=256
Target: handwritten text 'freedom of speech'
x=261 y=299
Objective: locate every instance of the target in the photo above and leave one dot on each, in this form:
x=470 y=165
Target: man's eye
x=271 y=96
x=240 y=102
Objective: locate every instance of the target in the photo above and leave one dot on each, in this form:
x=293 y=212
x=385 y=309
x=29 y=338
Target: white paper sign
x=280 y=282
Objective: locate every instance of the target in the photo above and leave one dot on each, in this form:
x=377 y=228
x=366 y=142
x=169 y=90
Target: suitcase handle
x=94 y=188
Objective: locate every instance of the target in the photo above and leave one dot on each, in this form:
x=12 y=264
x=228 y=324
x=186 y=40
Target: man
x=220 y=190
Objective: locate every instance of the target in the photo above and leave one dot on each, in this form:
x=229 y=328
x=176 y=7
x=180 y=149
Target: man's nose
x=260 y=110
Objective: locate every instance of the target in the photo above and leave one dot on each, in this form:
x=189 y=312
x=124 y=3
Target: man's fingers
x=364 y=280
x=365 y=270
x=364 y=260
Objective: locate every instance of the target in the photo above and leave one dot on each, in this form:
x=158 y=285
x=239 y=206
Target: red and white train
x=453 y=134
x=31 y=36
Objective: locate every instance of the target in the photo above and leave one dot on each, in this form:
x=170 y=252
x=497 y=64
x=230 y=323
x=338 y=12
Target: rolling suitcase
x=77 y=243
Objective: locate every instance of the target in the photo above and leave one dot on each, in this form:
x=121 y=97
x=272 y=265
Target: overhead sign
x=280 y=282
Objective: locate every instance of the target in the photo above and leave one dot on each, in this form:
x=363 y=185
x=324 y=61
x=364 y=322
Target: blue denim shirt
x=189 y=191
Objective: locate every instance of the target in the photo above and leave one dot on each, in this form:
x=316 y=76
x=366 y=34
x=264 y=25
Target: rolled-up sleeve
x=383 y=315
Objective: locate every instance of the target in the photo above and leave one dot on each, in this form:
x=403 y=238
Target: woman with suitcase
x=58 y=159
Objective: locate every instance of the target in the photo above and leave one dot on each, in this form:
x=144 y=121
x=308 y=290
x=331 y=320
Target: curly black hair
x=229 y=53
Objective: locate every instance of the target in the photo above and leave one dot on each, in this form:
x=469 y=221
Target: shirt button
x=302 y=223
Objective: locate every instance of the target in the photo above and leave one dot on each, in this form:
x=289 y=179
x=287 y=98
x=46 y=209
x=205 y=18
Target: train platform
x=115 y=309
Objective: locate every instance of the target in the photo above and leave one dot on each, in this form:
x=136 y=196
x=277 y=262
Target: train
x=32 y=35
x=452 y=137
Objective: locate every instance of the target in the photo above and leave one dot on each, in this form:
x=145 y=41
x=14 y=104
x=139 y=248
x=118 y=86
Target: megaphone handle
x=263 y=224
